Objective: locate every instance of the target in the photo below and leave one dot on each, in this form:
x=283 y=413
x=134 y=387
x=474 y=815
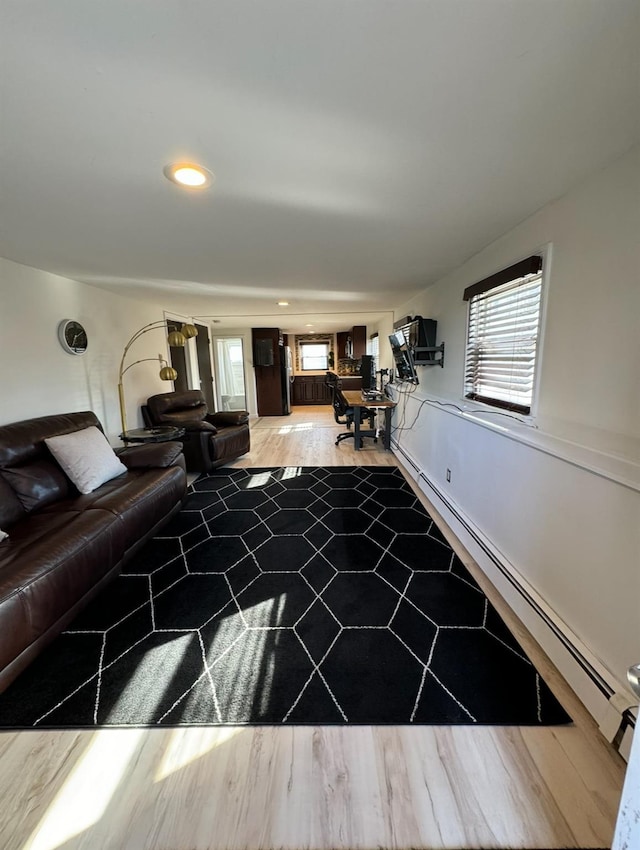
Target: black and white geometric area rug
x=292 y=595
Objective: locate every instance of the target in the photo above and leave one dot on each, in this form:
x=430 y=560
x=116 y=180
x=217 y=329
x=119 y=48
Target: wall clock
x=72 y=336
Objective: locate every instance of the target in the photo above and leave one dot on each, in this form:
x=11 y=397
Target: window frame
x=373 y=348
x=525 y=413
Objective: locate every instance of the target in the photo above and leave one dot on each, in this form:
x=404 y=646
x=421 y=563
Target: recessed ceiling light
x=283 y=303
x=189 y=175
x=308 y=326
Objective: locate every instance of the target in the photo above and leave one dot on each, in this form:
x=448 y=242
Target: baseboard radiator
x=609 y=702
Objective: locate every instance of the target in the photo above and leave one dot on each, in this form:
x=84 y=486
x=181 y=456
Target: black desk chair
x=341 y=408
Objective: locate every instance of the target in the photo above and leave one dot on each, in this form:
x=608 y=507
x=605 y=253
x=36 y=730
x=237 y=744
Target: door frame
x=216 y=375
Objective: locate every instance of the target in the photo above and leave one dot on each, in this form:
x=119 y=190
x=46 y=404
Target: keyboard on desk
x=373 y=395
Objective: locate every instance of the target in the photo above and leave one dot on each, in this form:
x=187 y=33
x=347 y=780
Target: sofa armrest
x=228 y=417
x=150 y=455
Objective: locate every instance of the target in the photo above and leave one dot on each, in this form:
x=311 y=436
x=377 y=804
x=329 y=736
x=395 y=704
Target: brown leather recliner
x=210 y=439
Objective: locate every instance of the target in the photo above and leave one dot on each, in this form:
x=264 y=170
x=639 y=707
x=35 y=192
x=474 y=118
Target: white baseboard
x=595 y=686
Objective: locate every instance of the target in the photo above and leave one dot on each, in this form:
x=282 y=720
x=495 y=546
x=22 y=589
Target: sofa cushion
x=137 y=500
x=37 y=484
x=23 y=442
x=176 y=408
x=145 y=497
x=11 y=508
x=86 y=457
x=50 y=561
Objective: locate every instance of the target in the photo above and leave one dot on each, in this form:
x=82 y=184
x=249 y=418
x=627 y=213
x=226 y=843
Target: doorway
x=229 y=369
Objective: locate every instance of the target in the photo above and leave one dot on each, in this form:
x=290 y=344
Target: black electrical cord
x=401 y=426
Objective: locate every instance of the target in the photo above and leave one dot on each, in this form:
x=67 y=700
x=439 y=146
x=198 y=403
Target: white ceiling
x=362 y=148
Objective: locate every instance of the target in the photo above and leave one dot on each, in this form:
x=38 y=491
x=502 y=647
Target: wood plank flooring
x=355 y=788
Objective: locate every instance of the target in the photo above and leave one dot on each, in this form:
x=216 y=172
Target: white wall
x=558 y=501
x=39 y=378
x=591 y=352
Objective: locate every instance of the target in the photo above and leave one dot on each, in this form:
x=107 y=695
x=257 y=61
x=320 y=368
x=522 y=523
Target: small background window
x=502 y=337
x=314 y=356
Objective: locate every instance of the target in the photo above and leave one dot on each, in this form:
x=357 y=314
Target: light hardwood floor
x=314 y=787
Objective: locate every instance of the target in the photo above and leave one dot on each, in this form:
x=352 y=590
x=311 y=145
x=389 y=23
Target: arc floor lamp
x=176 y=339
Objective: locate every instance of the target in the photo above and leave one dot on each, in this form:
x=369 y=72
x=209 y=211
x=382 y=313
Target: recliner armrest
x=150 y=455
x=198 y=425
x=228 y=417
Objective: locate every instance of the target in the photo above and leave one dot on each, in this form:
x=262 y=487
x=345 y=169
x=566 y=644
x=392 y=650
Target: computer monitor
x=405 y=367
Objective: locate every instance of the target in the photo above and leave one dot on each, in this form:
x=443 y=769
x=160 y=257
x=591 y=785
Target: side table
x=160 y=434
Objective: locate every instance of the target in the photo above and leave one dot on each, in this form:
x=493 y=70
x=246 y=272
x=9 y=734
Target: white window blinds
x=502 y=343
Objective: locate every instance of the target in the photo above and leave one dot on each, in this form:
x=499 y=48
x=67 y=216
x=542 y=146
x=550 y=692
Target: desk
x=355 y=400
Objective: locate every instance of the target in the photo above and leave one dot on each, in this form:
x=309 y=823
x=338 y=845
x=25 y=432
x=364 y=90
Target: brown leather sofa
x=210 y=439
x=63 y=547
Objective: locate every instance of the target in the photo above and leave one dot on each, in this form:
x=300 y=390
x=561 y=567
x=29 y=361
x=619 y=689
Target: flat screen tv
x=405 y=367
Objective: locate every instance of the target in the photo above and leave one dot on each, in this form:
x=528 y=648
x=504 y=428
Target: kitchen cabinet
x=352 y=344
x=341 y=340
x=310 y=389
x=359 y=341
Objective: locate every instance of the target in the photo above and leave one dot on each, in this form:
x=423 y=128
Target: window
x=373 y=348
x=314 y=356
x=502 y=338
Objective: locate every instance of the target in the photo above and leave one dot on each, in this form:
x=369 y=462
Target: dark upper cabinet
x=359 y=339
x=341 y=342
x=353 y=343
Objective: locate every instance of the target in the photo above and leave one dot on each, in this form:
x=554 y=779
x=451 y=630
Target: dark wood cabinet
x=341 y=341
x=352 y=344
x=268 y=361
x=310 y=389
x=359 y=341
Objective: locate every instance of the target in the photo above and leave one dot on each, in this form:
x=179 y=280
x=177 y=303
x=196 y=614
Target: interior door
x=178 y=360
x=203 y=351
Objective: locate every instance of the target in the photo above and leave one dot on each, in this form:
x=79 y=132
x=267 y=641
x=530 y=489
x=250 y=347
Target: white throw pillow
x=86 y=457
x=3 y=535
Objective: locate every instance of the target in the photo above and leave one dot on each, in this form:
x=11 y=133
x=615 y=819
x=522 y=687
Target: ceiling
x=362 y=148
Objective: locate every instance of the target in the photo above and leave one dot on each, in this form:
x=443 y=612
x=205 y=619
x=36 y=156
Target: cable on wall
x=405 y=393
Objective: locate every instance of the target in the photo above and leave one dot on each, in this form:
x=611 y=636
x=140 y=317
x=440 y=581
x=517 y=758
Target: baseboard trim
x=594 y=686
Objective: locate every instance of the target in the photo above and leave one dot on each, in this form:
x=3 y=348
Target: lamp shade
x=189 y=331
x=176 y=339
x=168 y=373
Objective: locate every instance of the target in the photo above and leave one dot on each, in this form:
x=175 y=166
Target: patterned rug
x=288 y=595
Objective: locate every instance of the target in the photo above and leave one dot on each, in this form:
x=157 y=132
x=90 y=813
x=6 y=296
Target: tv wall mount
x=432 y=349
